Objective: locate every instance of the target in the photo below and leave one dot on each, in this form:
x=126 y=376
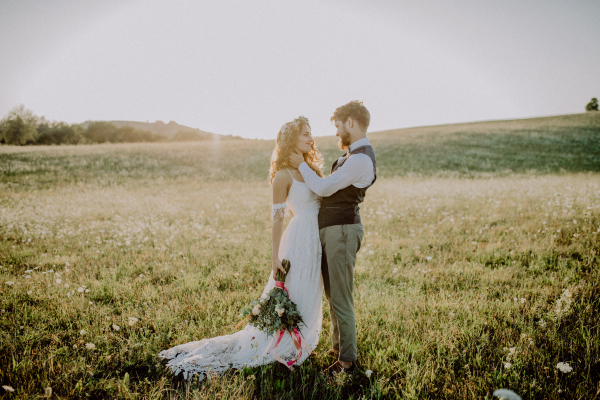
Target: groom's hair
x=355 y=110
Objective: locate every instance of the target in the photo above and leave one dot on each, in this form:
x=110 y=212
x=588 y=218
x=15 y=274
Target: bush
x=58 y=133
x=592 y=105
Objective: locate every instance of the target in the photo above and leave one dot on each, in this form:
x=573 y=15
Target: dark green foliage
x=592 y=105
x=60 y=133
x=19 y=127
x=22 y=127
x=106 y=132
x=267 y=319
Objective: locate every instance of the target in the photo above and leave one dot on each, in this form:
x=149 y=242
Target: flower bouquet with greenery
x=276 y=313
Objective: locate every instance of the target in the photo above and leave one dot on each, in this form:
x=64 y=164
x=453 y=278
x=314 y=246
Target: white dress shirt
x=357 y=171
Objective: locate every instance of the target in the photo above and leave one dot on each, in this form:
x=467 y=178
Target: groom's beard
x=344 y=141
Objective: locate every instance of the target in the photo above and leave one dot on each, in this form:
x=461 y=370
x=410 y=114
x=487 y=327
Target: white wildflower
x=523 y=300
x=256 y=310
x=507 y=365
x=564 y=367
x=82 y=332
x=90 y=346
x=542 y=323
x=368 y=373
x=29 y=271
x=132 y=321
x=10 y=283
x=59 y=280
x=506 y=394
x=429 y=258
x=116 y=327
x=8 y=388
x=29 y=291
x=67 y=264
x=87 y=290
x=562 y=307
x=66 y=285
x=371 y=252
x=80 y=289
x=48 y=391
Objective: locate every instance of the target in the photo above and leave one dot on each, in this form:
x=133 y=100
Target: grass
x=468 y=280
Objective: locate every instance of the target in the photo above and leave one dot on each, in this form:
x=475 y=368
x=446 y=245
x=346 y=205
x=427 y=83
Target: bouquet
x=276 y=313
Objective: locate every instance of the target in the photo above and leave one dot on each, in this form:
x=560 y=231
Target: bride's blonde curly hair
x=286 y=143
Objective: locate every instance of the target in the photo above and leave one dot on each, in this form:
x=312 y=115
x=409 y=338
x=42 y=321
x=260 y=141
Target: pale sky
x=246 y=67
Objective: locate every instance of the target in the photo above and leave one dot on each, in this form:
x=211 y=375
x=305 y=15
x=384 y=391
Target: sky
x=246 y=67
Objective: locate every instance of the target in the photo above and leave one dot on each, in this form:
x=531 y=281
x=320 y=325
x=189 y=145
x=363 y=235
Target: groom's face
x=343 y=134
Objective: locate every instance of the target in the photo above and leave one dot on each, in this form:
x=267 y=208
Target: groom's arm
x=357 y=169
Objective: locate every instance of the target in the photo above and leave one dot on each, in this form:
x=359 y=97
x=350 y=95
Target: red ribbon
x=296 y=337
x=282 y=286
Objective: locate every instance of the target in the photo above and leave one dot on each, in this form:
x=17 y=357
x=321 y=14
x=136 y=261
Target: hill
x=549 y=145
x=535 y=145
x=174 y=131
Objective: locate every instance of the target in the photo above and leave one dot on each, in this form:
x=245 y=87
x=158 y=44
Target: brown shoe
x=336 y=368
x=333 y=352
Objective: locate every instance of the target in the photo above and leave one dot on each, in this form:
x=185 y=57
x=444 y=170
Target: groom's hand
x=296 y=158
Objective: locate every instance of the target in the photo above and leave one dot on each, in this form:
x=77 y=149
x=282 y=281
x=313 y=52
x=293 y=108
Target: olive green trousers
x=340 y=245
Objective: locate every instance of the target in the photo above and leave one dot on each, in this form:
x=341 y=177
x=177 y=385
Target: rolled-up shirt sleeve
x=356 y=168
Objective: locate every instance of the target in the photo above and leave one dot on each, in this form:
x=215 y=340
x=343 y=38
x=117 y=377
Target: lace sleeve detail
x=279 y=211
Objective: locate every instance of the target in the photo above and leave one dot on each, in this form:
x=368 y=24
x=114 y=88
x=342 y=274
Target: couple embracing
x=321 y=242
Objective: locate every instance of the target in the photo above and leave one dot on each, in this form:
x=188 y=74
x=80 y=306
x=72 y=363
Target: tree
x=58 y=133
x=19 y=126
x=101 y=132
x=592 y=105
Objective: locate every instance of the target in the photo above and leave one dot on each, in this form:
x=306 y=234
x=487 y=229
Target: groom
x=340 y=226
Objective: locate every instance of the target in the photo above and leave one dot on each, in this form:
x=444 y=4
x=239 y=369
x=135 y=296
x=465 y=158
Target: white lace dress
x=300 y=244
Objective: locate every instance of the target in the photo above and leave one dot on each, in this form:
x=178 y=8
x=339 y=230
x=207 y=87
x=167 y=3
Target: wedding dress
x=300 y=244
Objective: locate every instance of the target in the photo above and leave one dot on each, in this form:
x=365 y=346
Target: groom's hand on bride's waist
x=296 y=158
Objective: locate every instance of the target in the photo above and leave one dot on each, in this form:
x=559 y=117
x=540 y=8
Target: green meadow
x=478 y=269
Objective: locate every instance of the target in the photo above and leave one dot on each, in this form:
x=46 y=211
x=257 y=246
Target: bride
x=299 y=244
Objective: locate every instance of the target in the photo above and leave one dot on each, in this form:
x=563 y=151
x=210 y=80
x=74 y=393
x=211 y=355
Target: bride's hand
x=277 y=266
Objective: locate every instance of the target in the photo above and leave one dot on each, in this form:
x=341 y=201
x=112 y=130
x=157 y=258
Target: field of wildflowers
x=466 y=282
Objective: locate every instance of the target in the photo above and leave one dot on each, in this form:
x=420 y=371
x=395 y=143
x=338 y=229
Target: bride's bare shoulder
x=282 y=178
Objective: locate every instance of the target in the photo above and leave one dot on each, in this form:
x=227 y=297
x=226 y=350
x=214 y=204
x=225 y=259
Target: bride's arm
x=281 y=185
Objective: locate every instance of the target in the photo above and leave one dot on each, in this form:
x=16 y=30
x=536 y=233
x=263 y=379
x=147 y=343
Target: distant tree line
x=592 y=105
x=22 y=127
